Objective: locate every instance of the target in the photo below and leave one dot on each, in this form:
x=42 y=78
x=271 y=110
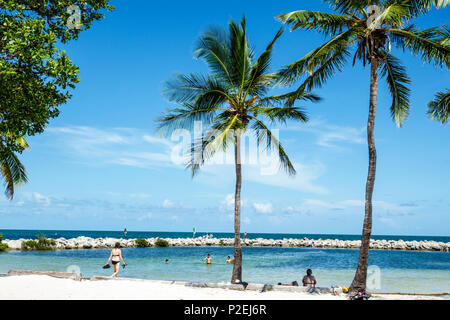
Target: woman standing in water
x=115 y=258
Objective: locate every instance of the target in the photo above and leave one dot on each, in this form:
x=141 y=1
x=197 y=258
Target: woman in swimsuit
x=115 y=258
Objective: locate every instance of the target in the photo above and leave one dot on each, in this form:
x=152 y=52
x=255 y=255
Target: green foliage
x=35 y=75
x=439 y=108
x=142 y=243
x=29 y=245
x=3 y=246
x=161 y=243
x=12 y=171
x=41 y=244
x=221 y=243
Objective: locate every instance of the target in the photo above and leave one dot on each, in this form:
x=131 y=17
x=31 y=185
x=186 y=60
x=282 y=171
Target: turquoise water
x=31 y=234
x=399 y=271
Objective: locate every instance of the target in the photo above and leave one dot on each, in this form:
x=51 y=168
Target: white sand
x=37 y=287
x=47 y=288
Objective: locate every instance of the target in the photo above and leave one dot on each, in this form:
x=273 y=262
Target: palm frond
x=444 y=35
x=285 y=99
x=216 y=139
x=331 y=51
x=282 y=114
x=241 y=55
x=260 y=80
x=394 y=15
x=427 y=43
x=347 y=6
x=417 y=7
x=192 y=87
x=213 y=48
x=321 y=74
x=184 y=118
x=264 y=135
x=398 y=82
x=12 y=171
x=439 y=108
x=327 y=23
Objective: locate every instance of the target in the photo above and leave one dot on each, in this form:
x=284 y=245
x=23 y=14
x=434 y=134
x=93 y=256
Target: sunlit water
x=399 y=271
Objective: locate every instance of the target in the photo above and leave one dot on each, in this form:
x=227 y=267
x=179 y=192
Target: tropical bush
x=142 y=243
x=161 y=243
x=3 y=246
x=41 y=244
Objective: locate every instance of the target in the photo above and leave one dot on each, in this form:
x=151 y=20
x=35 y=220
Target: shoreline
x=107 y=243
x=26 y=287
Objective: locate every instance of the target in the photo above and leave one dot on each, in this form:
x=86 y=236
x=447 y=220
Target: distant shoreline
x=15 y=234
x=104 y=243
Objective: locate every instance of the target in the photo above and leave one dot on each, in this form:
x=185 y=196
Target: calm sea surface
x=391 y=271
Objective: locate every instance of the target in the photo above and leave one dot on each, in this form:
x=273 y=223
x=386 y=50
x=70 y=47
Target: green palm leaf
x=12 y=170
x=397 y=81
x=439 y=108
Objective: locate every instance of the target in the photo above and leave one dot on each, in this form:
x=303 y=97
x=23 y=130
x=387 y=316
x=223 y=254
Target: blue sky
x=100 y=166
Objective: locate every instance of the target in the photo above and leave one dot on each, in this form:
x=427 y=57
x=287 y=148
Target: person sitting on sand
x=115 y=257
x=208 y=259
x=309 y=280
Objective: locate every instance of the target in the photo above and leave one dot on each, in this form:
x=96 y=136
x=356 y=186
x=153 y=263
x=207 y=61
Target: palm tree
x=229 y=101
x=371 y=33
x=11 y=169
x=439 y=108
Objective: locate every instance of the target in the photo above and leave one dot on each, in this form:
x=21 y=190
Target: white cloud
x=37 y=198
x=148 y=216
x=121 y=146
x=167 y=204
x=228 y=203
x=127 y=147
x=246 y=220
x=264 y=208
x=329 y=136
x=315 y=205
x=304 y=180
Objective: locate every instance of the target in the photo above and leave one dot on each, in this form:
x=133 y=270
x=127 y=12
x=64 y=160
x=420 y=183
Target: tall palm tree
x=11 y=169
x=228 y=101
x=370 y=32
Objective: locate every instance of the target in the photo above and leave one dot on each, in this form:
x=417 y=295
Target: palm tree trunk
x=237 y=269
x=359 y=282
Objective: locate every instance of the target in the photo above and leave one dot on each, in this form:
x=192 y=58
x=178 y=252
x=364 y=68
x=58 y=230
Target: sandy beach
x=37 y=287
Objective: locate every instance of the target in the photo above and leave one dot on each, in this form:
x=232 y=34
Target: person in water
x=309 y=280
x=229 y=260
x=115 y=257
x=208 y=259
x=167 y=261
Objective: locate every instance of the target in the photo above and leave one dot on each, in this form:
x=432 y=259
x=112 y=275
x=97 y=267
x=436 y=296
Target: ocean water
x=31 y=234
x=391 y=271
